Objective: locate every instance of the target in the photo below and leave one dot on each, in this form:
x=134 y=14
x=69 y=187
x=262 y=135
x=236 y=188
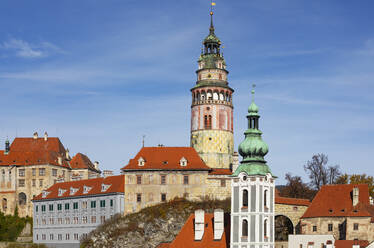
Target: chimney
x=35 y=135
x=218 y=224
x=199 y=224
x=329 y=244
x=59 y=160
x=45 y=136
x=356 y=193
x=96 y=164
x=7 y=147
x=67 y=156
x=107 y=173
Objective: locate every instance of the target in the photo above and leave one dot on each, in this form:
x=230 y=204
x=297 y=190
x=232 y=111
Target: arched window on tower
x=245 y=198
x=244 y=228
x=266 y=199
x=207 y=121
x=265 y=228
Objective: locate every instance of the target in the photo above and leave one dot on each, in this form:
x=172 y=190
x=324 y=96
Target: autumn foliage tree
x=357 y=179
x=296 y=188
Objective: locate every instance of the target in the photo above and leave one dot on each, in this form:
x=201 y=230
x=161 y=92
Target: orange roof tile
x=291 y=201
x=336 y=201
x=220 y=171
x=350 y=243
x=81 y=161
x=117 y=185
x=166 y=158
x=30 y=151
x=186 y=237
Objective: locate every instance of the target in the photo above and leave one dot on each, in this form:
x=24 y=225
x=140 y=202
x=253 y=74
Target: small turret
x=7 y=146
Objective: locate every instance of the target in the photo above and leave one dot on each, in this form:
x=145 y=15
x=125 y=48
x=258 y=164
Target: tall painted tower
x=212 y=108
x=252 y=191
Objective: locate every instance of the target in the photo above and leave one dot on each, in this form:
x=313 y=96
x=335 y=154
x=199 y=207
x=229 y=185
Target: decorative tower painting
x=212 y=108
x=252 y=189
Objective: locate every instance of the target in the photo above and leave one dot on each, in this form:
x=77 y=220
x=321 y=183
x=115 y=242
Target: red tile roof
x=336 y=201
x=166 y=158
x=30 y=151
x=117 y=185
x=186 y=237
x=220 y=171
x=81 y=161
x=350 y=243
x=291 y=201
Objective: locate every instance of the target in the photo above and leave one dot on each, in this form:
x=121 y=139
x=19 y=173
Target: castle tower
x=212 y=109
x=252 y=191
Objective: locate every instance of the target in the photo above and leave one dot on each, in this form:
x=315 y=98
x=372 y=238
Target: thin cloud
x=24 y=49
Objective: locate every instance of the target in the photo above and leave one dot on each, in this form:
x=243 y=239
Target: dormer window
x=73 y=190
x=61 y=192
x=141 y=161
x=44 y=193
x=86 y=189
x=183 y=162
x=105 y=187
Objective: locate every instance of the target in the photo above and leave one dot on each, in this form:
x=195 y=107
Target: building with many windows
x=66 y=212
x=30 y=165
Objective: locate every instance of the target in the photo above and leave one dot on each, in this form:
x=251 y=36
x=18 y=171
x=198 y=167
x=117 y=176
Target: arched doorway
x=22 y=199
x=4 y=204
x=283 y=227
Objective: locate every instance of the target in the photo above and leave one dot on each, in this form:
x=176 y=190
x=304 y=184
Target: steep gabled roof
x=30 y=151
x=336 y=201
x=350 y=243
x=166 y=158
x=115 y=184
x=81 y=161
x=186 y=237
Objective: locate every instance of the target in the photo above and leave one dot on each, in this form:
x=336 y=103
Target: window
x=67 y=236
x=266 y=199
x=93 y=219
x=265 y=228
x=330 y=227
x=43 y=236
x=50 y=207
x=44 y=222
x=223 y=183
x=111 y=202
x=43 y=208
x=33 y=182
x=41 y=171
x=245 y=198
x=141 y=161
x=138 y=197
x=60 y=221
x=67 y=206
x=102 y=203
x=84 y=205
x=21 y=172
x=51 y=221
x=67 y=220
x=102 y=219
x=84 y=219
x=314 y=228
x=41 y=183
x=75 y=205
x=22 y=199
x=21 y=183
x=33 y=171
x=355 y=226
x=54 y=172
x=93 y=204
x=76 y=220
x=51 y=236
x=76 y=236
x=59 y=207
x=163 y=197
x=163 y=179
x=59 y=236
x=138 y=179
x=245 y=228
x=185 y=179
x=36 y=208
x=208 y=122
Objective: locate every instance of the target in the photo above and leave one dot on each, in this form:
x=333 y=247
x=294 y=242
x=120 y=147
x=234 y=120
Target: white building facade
x=252 y=201
x=67 y=212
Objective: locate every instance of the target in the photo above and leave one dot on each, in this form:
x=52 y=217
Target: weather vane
x=211 y=6
x=253 y=92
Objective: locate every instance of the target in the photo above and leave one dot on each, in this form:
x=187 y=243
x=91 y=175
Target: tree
x=319 y=172
x=358 y=179
x=296 y=188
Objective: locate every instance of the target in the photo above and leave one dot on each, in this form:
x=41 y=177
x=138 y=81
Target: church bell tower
x=212 y=109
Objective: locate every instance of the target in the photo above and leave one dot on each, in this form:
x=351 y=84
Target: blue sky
x=100 y=74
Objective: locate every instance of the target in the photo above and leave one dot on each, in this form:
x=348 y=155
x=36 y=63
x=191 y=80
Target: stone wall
x=293 y=212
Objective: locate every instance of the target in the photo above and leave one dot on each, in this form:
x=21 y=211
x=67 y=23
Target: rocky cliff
x=149 y=227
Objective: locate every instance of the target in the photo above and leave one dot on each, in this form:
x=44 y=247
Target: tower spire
x=211 y=29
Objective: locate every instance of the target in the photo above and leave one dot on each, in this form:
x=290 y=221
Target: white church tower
x=252 y=186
